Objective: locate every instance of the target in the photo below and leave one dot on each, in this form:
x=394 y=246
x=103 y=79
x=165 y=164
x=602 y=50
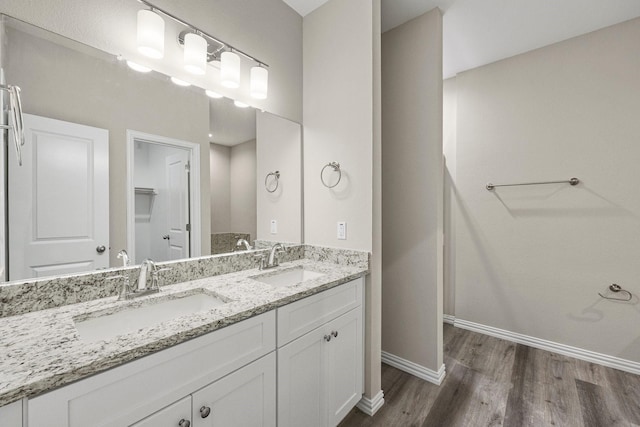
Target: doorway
x=163 y=193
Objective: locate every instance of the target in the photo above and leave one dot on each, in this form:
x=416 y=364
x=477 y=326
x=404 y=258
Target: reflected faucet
x=242 y=242
x=125 y=258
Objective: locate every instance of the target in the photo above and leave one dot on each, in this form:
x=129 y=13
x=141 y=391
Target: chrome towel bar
x=572 y=181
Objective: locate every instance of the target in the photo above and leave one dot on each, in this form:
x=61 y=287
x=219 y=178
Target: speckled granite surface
x=25 y=296
x=42 y=350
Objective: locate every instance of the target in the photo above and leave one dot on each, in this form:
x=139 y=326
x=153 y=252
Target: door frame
x=195 y=238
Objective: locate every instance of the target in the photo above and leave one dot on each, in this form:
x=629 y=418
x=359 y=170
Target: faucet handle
x=126 y=286
x=155 y=277
x=262 y=258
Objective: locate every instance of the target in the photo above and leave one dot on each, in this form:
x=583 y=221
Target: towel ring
x=336 y=168
x=276 y=174
x=615 y=289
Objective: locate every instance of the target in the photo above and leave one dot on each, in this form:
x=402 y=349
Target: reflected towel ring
x=336 y=168
x=276 y=174
x=615 y=289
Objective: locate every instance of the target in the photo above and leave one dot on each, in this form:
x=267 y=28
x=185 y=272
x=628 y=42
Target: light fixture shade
x=179 y=82
x=230 y=70
x=150 y=34
x=259 y=82
x=195 y=54
x=212 y=94
x=139 y=68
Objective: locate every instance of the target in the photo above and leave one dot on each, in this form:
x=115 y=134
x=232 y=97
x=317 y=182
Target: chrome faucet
x=242 y=242
x=272 y=260
x=147 y=270
x=125 y=258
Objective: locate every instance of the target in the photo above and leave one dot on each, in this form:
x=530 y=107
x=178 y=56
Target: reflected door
x=59 y=200
x=177 y=172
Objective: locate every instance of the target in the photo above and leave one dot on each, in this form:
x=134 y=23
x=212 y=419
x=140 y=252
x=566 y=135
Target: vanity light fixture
x=199 y=48
x=230 y=70
x=150 y=34
x=240 y=104
x=259 y=82
x=180 y=82
x=195 y=54
x=212 y=94
x=137 y=67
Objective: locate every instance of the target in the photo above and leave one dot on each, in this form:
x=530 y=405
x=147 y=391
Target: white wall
x=268 y=29
x=412 y=191
x=532 y=259
x=242 y=194
x=279 y=148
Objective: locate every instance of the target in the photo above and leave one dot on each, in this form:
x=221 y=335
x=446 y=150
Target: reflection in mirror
x=233 y=175
x=74 y=85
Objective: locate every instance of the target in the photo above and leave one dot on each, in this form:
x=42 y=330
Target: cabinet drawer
x=300 y=317
x=130 y=392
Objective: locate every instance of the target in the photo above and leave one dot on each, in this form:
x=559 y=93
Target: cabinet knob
x=327 y=338
x=335 y=334
x=184 y=423
x=205 y=411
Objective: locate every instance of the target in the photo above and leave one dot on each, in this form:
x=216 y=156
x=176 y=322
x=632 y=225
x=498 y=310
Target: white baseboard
x=414 y=369
x=567 y=350
x=371 y=406
x=448 y=318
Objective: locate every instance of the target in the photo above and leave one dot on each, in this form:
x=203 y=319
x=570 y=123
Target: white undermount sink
x=128 y=320
x=289 y=277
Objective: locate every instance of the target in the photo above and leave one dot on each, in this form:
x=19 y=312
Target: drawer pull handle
x=327 y=338
x=335 y=334
x=184 y=423
x=205 y=411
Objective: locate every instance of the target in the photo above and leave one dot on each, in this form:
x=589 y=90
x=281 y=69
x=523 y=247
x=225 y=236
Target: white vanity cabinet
x=320 y=357
x=11 y=414
x=136 y=390
x=175 y=415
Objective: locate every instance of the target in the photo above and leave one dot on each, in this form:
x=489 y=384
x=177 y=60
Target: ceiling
x=478 y=32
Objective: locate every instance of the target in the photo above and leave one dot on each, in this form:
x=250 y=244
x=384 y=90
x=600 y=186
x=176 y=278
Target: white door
x=171 y=416
x=245 y=398
x=59 y=200
x=177 y=205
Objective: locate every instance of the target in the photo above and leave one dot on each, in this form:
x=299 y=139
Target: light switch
x=274 y=226
x=342 y=230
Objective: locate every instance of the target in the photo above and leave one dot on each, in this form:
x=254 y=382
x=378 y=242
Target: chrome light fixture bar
x=200 y=32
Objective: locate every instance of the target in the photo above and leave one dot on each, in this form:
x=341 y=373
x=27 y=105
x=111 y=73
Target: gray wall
x=220 y=164
x=532 y=260
x=242 y=203
x=412 y=191
x=341 y=123
x=279 y=148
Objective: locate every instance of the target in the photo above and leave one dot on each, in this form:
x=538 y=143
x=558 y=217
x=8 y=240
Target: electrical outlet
x=274 y=226
x=342 y=230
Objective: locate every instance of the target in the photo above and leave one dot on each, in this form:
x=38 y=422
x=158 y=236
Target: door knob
x=205 y=411
x=335 y=334
x=100 y=249
x=184 y=423
x=166 y=237
x=327 y=338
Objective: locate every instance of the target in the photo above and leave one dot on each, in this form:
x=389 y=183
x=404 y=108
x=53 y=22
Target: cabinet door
x=175 y=415
x=344 y=365
x=301 y=381
x=244 y=398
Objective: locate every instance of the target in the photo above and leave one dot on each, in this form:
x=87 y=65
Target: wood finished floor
x=492 y=382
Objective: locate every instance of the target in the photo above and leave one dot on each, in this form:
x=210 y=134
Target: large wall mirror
x=118 y=159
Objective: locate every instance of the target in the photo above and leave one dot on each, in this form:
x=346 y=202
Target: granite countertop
x=42 y=350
